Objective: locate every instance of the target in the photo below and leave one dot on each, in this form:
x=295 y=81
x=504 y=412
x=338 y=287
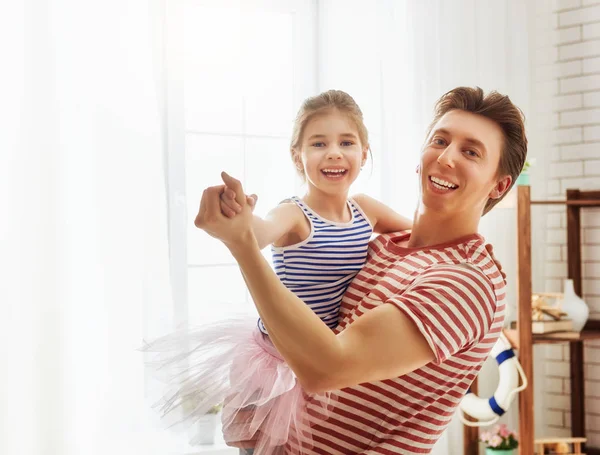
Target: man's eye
x=472 y=153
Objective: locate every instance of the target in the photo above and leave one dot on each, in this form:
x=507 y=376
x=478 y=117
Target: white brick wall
x=567 y=80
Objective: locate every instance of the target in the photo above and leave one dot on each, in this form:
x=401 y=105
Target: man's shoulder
x=478 y=256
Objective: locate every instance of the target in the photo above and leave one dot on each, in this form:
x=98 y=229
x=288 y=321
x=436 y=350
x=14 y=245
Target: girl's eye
x=438 y=141
x=472 y=153
x=347 y=143
x=319 y=144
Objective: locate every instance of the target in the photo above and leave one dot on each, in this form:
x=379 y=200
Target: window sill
x=212 y=449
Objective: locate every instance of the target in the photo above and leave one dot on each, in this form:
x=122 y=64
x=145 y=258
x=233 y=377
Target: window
x=237 y=73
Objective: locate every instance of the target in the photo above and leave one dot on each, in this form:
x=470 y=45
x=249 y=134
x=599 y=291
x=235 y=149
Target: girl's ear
x=365 y=155
x=297 y=160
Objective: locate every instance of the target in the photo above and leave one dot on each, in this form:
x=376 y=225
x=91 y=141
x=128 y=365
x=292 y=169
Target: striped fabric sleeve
x=452 y=306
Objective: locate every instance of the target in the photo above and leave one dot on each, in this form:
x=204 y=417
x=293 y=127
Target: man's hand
x=490 y=250
x=236 y=233
x=229 y=206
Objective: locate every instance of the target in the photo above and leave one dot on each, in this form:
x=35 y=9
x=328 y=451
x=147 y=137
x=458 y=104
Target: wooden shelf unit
x=523 y=339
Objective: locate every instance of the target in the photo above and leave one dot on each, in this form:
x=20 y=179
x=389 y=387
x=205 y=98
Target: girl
x=319 y=243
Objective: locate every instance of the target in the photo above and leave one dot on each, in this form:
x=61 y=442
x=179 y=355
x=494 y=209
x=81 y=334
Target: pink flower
x=504 y=431
x=495 y=441
x=485 y=437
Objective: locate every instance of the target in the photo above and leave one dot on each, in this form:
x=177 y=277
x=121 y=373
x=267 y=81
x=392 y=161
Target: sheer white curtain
x=397 y=57
x=84 y=239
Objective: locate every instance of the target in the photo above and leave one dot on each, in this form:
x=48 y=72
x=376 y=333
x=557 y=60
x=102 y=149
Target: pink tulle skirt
x=232 y=363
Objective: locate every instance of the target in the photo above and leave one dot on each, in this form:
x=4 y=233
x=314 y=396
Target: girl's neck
x=433 y=228
x=333 y=207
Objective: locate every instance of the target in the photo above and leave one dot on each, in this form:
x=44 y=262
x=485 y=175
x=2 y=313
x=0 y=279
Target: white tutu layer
x=233 y=363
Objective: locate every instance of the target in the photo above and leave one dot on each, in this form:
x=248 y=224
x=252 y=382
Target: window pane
x=269 y=172
x=338 y=51
x=238 y=72
x=213 y=72
x=215 y=292
x=268 y=57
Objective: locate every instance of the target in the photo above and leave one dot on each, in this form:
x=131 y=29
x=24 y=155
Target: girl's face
x=331 y=154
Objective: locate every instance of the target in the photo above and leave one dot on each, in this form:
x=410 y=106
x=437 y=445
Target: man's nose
x=447 y=157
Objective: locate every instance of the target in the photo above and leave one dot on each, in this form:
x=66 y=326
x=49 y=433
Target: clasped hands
x=225 y=213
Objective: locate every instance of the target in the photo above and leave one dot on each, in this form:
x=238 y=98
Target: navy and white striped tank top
x=319 y=269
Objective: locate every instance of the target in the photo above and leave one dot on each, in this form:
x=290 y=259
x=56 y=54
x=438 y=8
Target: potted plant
x=523 y=178
x=206 y=426
x=499 y=441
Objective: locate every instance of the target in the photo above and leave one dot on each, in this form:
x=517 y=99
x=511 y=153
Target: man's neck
x=431 y=228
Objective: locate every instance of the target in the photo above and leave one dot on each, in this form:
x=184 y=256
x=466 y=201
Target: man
x=418 y=321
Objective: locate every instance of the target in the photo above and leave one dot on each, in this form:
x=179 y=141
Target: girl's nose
x=334 y=153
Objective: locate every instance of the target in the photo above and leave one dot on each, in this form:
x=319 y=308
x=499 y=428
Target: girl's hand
x=236 y=233
x=229 y=206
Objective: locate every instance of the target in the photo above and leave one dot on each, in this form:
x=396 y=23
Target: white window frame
x=179 y=219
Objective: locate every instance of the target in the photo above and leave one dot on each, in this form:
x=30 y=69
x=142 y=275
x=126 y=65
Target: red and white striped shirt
x=454 y=293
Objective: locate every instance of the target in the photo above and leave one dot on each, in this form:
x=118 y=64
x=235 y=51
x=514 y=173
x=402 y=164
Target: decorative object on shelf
x=523 y=178
x=206 y=426
x=574 y=306
x=547 y=315
x=542 y=309
x=546 y=327
x=488 y=410
x=500 y=440
x=553 y=446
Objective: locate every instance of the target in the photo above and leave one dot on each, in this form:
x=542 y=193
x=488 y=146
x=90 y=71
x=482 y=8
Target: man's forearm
x=306 y=343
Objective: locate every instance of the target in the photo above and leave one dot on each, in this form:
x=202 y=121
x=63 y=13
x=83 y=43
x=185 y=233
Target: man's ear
x=501 y=187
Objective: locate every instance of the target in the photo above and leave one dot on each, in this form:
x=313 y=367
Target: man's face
x=459 y=163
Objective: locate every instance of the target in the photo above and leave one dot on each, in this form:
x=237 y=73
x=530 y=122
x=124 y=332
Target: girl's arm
x=279 y=222
x=383 y=218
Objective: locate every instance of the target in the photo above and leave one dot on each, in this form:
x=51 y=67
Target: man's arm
x=365 y=351
x=445 y=310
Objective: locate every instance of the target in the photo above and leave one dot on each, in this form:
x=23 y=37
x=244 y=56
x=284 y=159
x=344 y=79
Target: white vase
x=206 y=429
x=574 y=306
